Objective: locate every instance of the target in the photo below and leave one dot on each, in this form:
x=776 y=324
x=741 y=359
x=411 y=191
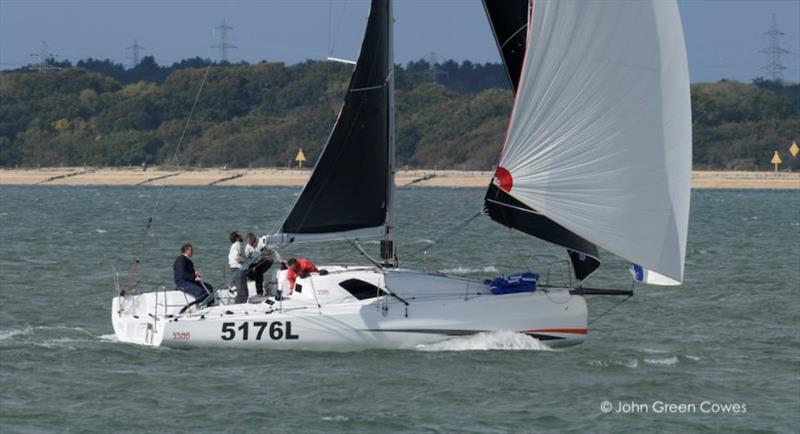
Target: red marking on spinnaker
x=504 y=178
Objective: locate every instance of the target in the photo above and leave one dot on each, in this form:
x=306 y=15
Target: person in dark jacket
x=260 y=266
x=188 y=280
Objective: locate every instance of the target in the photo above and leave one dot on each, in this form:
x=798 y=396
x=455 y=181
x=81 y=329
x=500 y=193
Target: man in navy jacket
x=186 y=279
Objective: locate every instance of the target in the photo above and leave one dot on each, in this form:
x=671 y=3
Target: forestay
x=600 y=136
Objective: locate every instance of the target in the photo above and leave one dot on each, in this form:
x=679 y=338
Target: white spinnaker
x=650 y=277
x=600 y=138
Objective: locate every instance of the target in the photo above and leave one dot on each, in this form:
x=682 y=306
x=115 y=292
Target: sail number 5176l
x=276 y=330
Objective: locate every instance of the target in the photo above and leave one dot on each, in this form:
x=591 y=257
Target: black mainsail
x=509 y=20
x=349 y=188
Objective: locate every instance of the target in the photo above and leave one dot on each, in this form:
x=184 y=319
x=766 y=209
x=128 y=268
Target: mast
x=388 y=252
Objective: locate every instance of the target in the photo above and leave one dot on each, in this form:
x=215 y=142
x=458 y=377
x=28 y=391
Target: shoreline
x=157 y=176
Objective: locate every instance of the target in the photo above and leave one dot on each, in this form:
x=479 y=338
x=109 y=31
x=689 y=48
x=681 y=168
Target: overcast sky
x=723 y=36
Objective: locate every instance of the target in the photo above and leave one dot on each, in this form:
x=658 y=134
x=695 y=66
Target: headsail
x=509 y=22
x=347 y=192
x=600 y=137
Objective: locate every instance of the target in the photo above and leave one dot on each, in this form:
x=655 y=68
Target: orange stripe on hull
x=573 y=331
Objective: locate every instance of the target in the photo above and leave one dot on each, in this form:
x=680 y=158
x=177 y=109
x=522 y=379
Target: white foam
x=467 y=270
x=653 y=351
x=502 y=340
x=100 y=231
x=669 y=361
x=337 y=418
x=8 y=334
x=59 y=343
x=695 y=358
x=109 y=338
x=627 y=363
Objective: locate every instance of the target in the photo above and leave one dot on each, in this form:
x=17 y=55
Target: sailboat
x=597 y=155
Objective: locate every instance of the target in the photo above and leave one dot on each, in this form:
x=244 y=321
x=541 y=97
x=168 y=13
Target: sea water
x=720 y=353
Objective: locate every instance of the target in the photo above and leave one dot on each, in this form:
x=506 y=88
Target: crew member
x=236 y=258
x=298 y=267
x=257 y=269
x=186 y=279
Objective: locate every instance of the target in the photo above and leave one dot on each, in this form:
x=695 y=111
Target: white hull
x=326 y=317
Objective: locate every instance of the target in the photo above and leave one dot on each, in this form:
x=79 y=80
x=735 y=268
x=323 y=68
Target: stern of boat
x=140 y=319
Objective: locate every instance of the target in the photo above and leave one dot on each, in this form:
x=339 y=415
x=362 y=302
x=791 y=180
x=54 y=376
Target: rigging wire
x=132 y=282
x=330 y=27
x=609 y=310
x=332 y=43
x=445 y=235
x=185 y=129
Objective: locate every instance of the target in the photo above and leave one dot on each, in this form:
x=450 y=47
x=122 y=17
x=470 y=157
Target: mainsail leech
x=348 y=188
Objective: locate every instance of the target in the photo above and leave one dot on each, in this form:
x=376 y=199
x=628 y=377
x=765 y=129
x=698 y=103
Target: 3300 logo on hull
x=276 y=331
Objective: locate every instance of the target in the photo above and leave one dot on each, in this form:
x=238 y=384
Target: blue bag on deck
x=525 y=282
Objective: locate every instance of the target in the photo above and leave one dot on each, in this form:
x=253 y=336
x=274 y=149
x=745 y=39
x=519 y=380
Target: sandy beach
x=294 y=177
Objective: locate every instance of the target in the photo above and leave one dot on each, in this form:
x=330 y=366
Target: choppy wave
x=633 y=362
x=667 y=361
x=8 y=334
x=337 y=418
x=625 y=363
x=653 y=351
x=502 y=340
x=469 y=270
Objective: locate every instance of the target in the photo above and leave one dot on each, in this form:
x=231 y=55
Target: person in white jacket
x=236 y=258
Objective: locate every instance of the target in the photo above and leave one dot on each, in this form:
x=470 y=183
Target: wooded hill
x=99 y=114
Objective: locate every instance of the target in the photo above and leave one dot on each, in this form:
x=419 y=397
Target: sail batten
x=600 y=137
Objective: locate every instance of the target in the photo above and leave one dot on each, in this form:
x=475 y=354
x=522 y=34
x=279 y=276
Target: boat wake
x=502 y=340
x=47 y=336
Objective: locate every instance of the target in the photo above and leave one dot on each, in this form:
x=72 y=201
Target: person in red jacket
x=298 y=267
